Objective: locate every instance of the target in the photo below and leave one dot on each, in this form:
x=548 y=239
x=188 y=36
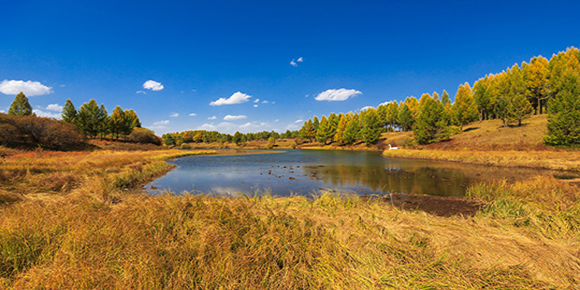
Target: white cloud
x=41 y=113
x=231 y=118
x=29 y=88
x=236 y=98
x=265 y=102
x=293 y=63
x=306 y=96
x=299 y=121
x=256 y=100
x=300 y=59
x=366 y=108
x=153 y=85
x=2 y=111
x=174 y=115
x=276 y=120
x=140 y=92
x=162 y=122
x=54 y=107
x=212 y=118
x=255 y=106
x=193 y=114
x=337 y=95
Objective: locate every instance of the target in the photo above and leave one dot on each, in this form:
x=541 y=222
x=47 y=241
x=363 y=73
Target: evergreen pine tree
x=103 y=118
x=351 y=132
x=564 y=112
x=405 y=118
x=371 y=130
x=20 y=106
x=392 y=114
x=69 y=113
x=430 y=125
x=501 y=110
x=88 y=118
x=322 y=130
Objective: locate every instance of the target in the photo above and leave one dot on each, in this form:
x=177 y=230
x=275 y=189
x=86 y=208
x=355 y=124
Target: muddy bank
x=435 y=205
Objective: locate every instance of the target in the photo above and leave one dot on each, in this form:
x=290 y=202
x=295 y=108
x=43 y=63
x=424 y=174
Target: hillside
x=489 y=133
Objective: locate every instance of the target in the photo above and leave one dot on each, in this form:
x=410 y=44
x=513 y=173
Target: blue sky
x=353 y=54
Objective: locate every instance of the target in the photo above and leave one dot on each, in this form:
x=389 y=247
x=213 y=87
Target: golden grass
x=47 y=172
x=68 y=221
x=557 y=160
x=492 y=132
x=184 y=242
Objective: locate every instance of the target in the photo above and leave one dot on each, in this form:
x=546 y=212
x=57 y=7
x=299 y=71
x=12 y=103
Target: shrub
x=144 y=135
x=8 y=134
x=185 y=146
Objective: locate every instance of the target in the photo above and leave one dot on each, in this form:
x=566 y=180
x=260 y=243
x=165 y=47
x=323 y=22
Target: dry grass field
x=520 y=240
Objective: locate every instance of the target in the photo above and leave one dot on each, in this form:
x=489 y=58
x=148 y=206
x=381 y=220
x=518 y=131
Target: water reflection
x=305 y=172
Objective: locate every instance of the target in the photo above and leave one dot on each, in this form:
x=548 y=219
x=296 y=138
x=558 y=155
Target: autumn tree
x=537 y=80
x=117 y=122
x=464 y=108
x=340 y=129
x=20 y=106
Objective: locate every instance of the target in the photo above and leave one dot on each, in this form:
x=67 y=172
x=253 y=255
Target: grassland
x=75 y=220
x=489 y=143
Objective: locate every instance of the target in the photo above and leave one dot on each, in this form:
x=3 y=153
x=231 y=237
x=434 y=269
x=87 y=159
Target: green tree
x=430 y=125
x=323 y=132
x=564 y=112
x=20 y=106
x=464 y=109
x=392 y=114
x=351 y=132
x=371 y=130
x=237 y=138
x=104 y=126
x=88 y=118
x=519 y=107
x=405 y=118
x=69 y=113
x=501 y=110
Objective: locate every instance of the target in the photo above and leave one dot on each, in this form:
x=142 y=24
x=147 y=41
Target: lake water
x=306 y=172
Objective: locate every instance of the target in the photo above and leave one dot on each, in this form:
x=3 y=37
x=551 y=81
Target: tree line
x=511 y=96
x=94 y=121
x=21 y=125
x=203 y=136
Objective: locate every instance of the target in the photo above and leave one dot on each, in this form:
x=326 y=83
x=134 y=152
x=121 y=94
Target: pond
x=306 y=172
